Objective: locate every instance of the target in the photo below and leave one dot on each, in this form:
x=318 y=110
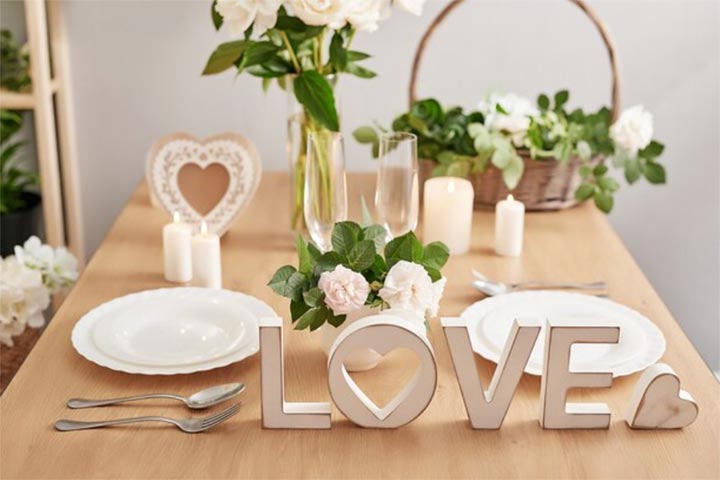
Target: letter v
x=487 y=409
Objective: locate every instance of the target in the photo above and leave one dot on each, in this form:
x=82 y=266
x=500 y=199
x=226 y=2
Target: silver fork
x=189 y=425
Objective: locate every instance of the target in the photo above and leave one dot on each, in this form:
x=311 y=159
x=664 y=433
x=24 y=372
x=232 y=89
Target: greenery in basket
x=359 y=271
x=303 y=45
x=505 y=127
x=14 y=180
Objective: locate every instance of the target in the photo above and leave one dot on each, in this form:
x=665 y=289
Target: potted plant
x=304 y=45
x=508 y=138
x=361 y=276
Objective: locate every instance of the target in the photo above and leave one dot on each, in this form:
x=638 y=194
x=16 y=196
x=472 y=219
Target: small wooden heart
x=658 y=402
x=211 y=179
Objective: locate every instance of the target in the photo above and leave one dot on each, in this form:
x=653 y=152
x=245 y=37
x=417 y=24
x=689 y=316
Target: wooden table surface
x=577 y=244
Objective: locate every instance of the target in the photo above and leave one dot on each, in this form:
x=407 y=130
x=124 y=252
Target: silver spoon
x=202 y=399
x=492 y=288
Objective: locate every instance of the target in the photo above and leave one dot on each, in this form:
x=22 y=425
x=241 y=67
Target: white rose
x=633 y=131
x=413 y=6
x=240 y=14
x=318 y=12
x=409 y=287
x=345 y=290
x=515 y=121
x=23 y=298
x=363 y=15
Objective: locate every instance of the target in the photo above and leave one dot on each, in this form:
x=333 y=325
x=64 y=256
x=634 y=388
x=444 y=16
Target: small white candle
x=448 y=212
x=206 y=259
x=176 y=250
x=509 y=225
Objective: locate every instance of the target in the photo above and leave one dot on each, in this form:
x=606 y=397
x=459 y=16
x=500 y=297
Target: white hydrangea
x=23 y=298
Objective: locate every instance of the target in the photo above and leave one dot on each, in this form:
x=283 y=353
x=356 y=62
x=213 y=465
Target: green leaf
x=436 y=255
x=336 y=320
x=563 y=150
x=327 y=262
x=279 y=280
x=225 y=56
x=344 y=237
x=355 y=56
x=295 y=286
x=362 y=72
x=314 y=92
x=217 y=19
x=314 y=251
x=561 y=99
x=362 y=255
x=297 y=309
x=365 y=135
x=459 y=169
x=604 y=200
x=653 y=150
x=585 y=171
x=608 y=183
x=600 y=170
x=258 y=53
x=584 y=191
x=500 y=109
x=543 y=102
x=513 y=172
x=314 y=297
x=377 y=234
x=632 y=170
x=405 y=247
x=313 y=318
x=304 y=260
x=654 y=173
x=338 y=53
x=434 y=273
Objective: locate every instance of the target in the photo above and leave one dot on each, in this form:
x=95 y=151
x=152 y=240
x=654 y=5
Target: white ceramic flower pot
x=362 y=359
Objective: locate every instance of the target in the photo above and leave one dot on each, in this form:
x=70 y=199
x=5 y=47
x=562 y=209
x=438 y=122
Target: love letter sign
x=657 y=402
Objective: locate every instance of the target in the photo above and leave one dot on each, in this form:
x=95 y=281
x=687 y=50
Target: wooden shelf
x=24 y=100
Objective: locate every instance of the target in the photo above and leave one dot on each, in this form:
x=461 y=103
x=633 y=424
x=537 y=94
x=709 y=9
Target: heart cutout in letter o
x=382 y=333
x=211 y=179
x=658 y=402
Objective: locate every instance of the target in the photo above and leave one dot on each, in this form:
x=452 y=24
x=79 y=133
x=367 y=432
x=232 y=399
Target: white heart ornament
x=658 y=402
x=211 y=179
x=382 y=333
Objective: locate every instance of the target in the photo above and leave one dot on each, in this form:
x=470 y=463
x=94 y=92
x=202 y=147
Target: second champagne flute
x=396 y=191
x=325 y=186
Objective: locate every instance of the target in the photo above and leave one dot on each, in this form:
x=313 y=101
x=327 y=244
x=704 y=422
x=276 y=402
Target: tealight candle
x=448 y=212
x=509 y=224
x=206 y=259
x=176 y=250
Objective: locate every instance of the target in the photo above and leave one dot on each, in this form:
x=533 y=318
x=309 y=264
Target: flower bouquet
x=359 y=272
x=507 y=132
x=304 y=45
x=27 y=280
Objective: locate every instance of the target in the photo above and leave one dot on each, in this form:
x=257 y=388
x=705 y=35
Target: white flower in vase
x=57 y=266
x=409 y=287
x=240 y=14
x=318 y=12
x=412 y=6
x=23 y=298
x=633 y=131
x=363 y=15
x=508 y=113
x=345 y=290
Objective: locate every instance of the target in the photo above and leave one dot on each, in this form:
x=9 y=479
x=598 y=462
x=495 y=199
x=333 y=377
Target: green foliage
x=14 y=62
x=460 y=144
x=14 y=180
x=293 y=50
x=361 y=249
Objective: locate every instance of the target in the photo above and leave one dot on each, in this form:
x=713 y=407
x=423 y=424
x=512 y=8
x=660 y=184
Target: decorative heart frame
x=172 y=153
x=382 y=333
x=658 y=402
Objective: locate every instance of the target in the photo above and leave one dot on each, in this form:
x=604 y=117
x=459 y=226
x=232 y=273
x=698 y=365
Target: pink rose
x=345 y=290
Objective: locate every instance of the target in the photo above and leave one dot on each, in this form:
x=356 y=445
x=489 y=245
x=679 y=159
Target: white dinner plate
x=172 y=330
x=641 y=343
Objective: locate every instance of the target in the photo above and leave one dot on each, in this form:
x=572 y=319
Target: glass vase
x=299 y=125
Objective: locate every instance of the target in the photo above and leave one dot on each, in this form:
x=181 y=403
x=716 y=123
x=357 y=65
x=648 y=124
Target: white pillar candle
x=176 y=250
x=448 y=212
x=509 y=225
x=206 y=259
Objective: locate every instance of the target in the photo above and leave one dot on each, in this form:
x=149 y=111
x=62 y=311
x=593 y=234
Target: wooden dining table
x=572 y=245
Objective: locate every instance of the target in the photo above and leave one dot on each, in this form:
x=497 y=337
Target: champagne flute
x=396 y=191
x=325 y=185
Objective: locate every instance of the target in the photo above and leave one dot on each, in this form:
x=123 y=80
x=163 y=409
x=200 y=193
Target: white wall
x=136 y=69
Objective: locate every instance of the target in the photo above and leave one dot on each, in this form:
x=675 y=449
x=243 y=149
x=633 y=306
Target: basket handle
x=602 y=29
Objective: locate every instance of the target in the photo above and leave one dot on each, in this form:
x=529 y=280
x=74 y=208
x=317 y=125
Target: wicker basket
x=546 y=184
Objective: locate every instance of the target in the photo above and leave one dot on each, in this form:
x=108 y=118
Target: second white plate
x=641 y=343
